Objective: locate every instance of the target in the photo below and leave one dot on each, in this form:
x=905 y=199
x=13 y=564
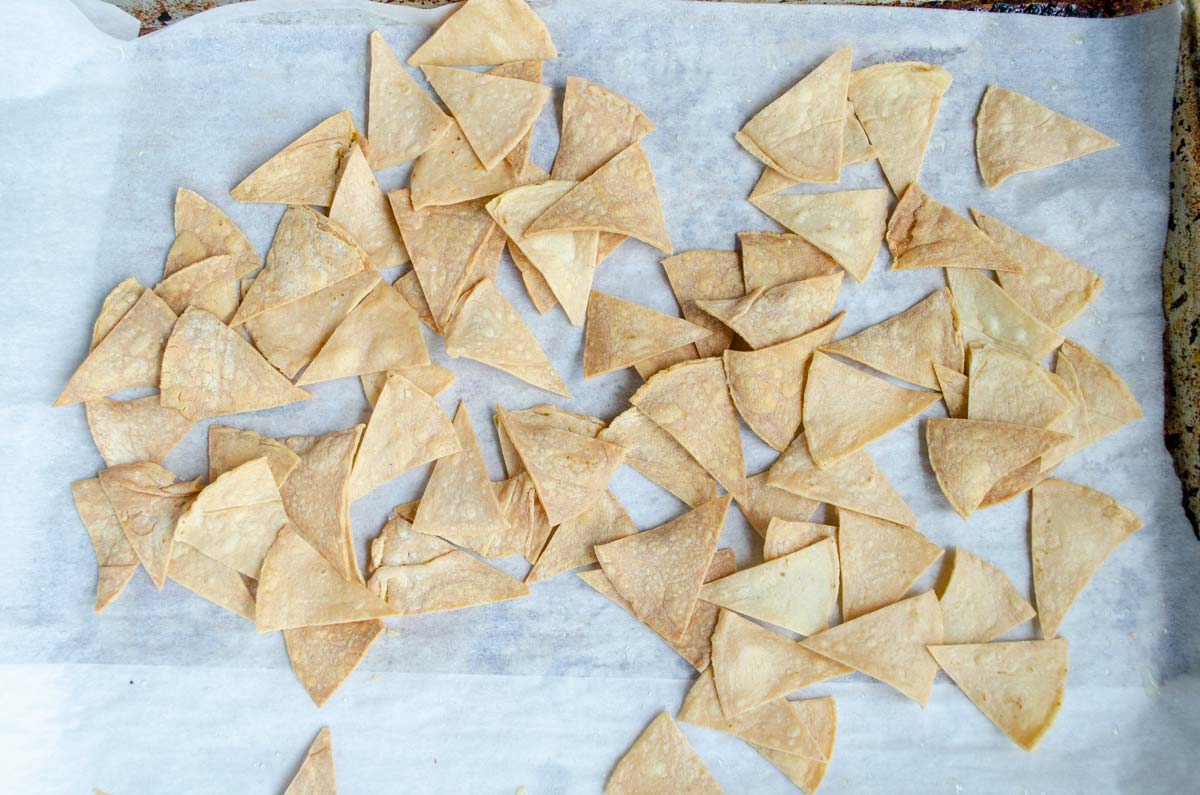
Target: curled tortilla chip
x=118 y=301
x=487 y=32
x=116 y=560
x=785 y=536
x=211 y=579
x=432 y=379
x=770 y=259
x=657 y=456
x=323 y=657
x=126 y=432
x=979 y=603
x=450 y=173
x=231 y=447
x=661 y=760
x=762 y=502
x=705 y=274
x=409 y=288
x=620 y=333
x=525 y=515
x=1005 y=387
x=452 y=581
x=316 y=495
x=1110 y=403
x=571 y=545
x=402 y=121
x=596 y=124
x=987 y=313
x=880 y=561
x=846 y=225
x=305 y=171
x=363 y=211
x=315 y=776
x=924 y=233
x=771 y=316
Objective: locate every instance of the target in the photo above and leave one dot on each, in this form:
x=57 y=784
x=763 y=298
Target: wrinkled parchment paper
x=166 y=693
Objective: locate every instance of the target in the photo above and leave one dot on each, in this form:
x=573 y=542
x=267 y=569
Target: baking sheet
x=167 y=693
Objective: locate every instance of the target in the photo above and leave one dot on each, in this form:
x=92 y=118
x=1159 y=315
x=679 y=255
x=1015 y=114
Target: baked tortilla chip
x=324 y=657
x=210 y=232
x=774 y=315
x=317 y=498
x=402 y=121
x=647 y=368
x=407 y=428
x=880 y=561
x=148 y=502
x=821 y=719
x=659 y=458
x=525 y=515
x=979 y=602
x=530 y=71
x=924 y=233
x=847 y=225
x=452 y=581
x=130 y=355
x=1005 y=387
x=784 y=536
x=986 y=313
x=1017 y=482
x=661 y=761
x=189 y=286
x=1014 y=134
x=363 y=211
x=450 y=173
x=897 y=104
x=888 y=644
x=231 y=447
x=485 y=33
x=620 y=333
x=315 y=776
x=543 y=416
x=126 y=432
x=767 y=385
x=1018 y=685
x=399 y=545
x=618 y=197
x=856 y=146
x=969 y=456
x=305 y=171
x=118 y=301
x=800 y=134
x=116 y=560
x=488 y=329
x=705 y=274
x=1073 y=530
x=762 y=502
x=770 y=259
x=597 y=124
x=409 y=288
x=540 y=294
x=953 y=386
x=432 y=379
x=1074 y=423
x=854 y=482
x=1110 y=403
x=571 y=545
x=211 y=579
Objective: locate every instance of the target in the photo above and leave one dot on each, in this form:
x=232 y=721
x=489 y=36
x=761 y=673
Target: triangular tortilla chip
x=1074 y=529
x=305 y=171
x=540 y=294
x=771 y=316
x=800 y=134
x=116 y=560
x=660 y=571
x=784 y=536
x=888 y=644
x=1019 y=481
x=953 y=386
x=186 y=286
x=565 y=260
x=797 y=591
x=485 y=33
x=753 y=665
x=494 y=112
x=1110 y=403
x=571 y=545
x=407 y=428
x=232 y=447
x=770 y=259
x=856 y=146
x=897 y=104
x=432 y=379
x=1074 y=423
x=619 y=197
x=451 y=581
x=450 y=173
x=410 y=290
x=148 y=502
x=924 y=233
x=315 y=776
x=705 y=274
x=130 y=355
x=911 y=344
x=880 y=561
x=657 y=456
x=661 y=761
x=844 y=408
x=300 y=588
x=767 y=385
x=648 y=368
x=208 y=369
x=820 y=715
x=487 y=329
x=114 y=307
x=211 y=579
x=203 y=235
x=402 y=121
x=525 y=515
x=854 y=482
x=126 y=432
x=969 y=456
x=1018 y=685
x=762 y=502
x=979 y=603
x=1014 y=134
x=846 y=225
x=399 y=545
x=1005 y=387
x=323 y=657
x=1051 y=287
x=530 y=71
x=596 y=124
x=212 y=232
x=542 y=416
x=987 y=313
x=620 y=333
x=317 y=498
x=363 y=211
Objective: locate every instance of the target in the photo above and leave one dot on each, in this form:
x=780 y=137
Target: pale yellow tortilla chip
x=530 y=71
x=317 y=495
x=525 y=515
x=770 y=182
x=854 y=482
x=487 y=32
x=618 y=197
x=211 y=580
x=897 y=104
x=762 y=502
x=658 y=457
x=488 y=329
x=130 y=355
x=820 y=716
x=784 y=536
x=407 y=428
x=705 y=274
x=909 y=345
x=620 y=333
x=539 y=291
x=660 y=571
x=452 y=581
x=324 y=657
x=409 y=288
x=979 y=602
x=846 y=225
x=363 y=211
x=953 y=386
x=571 y=545
x=771 y=316
x=1110 y=403
x=880 y=561
x=969 y=456
x=1013 y=134
x=924 y=233
x=211 y=232
x=800 y=134
x=305 y=171
x=126 y=432
x=148 y=502
x=485 y=260
x=1019 y=685
x=1073 y=530
x=647 y=368
x=185 y=287
x=116 y=560
x=1074 y=423
x=984 y=308
x=845 y=408
x=450 y=173
x=770 y=259
x=856 y=148
x=118 y=301
x=1005 y=387
x=315 y=776
x=402 y=121
x=596 y=124
x=767 y=385
x=432 y=379
x=231 y=447
x=888 y=644
x=661 y=761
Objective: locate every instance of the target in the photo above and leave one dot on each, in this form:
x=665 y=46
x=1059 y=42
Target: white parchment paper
x=166 y=693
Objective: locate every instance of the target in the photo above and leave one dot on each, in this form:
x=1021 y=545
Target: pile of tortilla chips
x=267 y=534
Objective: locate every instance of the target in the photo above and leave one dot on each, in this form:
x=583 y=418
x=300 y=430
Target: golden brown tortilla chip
x=116 y=560
x=784 y=536
x=317 y=497
x=542 y=415
x=953 y=386
x=987 y=313
x=571 y=545
x=596 y=125
x=1073 y=530
x=487 y=32
x=847 y=225
x=979 y=603
x=924 y=233
x=305 y=171
x=399 y=545
x=231 y=447
x=189 y=286
x=540 y=294
x=762 y=502
x=770 y=259
x=211 y=580
x=126 y=432
x=402 y=121
x=363 y=211
x=450 y=173
x=1005 y=387
x=620 y=333
x=211 y=232
x=880 y=561
x=647 y=368
x=661 y=761
x=1018 y=685
x=324 y=657
x=1017 y=482
x=432 y=379
x=658 y=457
x=452 y=581
x=118 y=301
x=530 y=71
x=705 y=274
x=769 y=317
x=409 y=288
x=820 y=716
x=1110 y=403
x=1014 y=134
x=315 y=776
x=525 y=515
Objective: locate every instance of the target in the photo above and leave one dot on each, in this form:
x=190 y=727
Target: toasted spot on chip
x=1110 y=403
x=770 y=259
x=988 y=314
x=662 y=761
x=924 y=233
x=211 y=579
x=305 y=171
x=656 y=455
x=770 y=316
x=315 y=776
x=116 y=560
x=126 y=432
x=846 y=225
x=761 y=503
x=784 y=536
x=402 y=121
x=323 y=657
x=620 y=333
x=953 y=386
x=596 y=124
x=705 y=274
x=487 y=32
x=807 y=774
x=880 y=561
x=979 y=603
x=1005 y=387
x=432 y=379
